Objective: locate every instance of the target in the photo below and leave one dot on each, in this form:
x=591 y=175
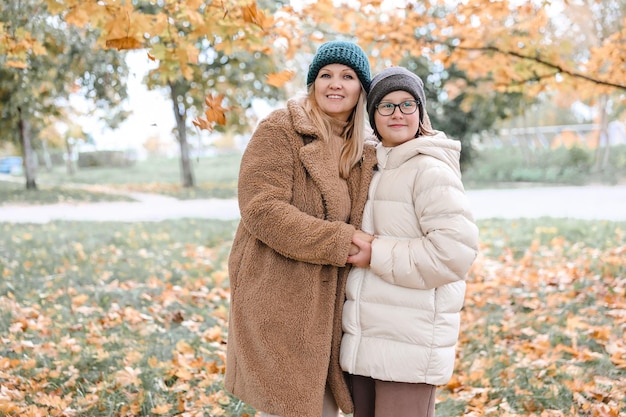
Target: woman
x=401 y=317
x=302 y=187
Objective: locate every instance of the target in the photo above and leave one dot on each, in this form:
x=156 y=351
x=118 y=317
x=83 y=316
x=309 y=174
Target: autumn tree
x=207 y=52
x=221 y=51
x=500 y=46
x=459 y=107
x=44 y=61
x=594 y=28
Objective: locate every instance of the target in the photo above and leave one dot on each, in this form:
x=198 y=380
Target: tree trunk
x=46 y=155
x=181 y=129
x=30 y=162
x=523 y=139
x=602 y=152
x=69 y=161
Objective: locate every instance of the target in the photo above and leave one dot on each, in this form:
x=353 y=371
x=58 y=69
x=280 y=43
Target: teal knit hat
x=340 y=52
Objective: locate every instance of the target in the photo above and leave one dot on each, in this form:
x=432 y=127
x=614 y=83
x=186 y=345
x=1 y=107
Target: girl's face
x=398 y=127
x=337 y=90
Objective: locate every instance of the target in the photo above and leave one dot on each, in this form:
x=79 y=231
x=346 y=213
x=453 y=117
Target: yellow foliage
x=16 y=64
x=252 y=15
x=502 y=40
x=78 y=16
x=193 y=16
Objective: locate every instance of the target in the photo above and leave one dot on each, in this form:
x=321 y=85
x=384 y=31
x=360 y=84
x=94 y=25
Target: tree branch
x=541 y=61
x=535 y=78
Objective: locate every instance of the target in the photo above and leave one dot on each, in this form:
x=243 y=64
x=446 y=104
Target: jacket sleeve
x=449 y=242
x=266 y=180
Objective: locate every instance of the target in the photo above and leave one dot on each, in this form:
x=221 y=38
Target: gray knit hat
x=340 y=52
x=394 y=79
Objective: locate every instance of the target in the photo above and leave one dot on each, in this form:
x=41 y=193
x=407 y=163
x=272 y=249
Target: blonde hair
x=353 y=134
x=425 y=128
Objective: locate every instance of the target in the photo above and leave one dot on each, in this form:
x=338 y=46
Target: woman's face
x=398 y=127
x=337 y=90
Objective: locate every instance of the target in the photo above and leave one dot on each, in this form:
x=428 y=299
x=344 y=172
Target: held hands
x=360 y=252
x=361 y=235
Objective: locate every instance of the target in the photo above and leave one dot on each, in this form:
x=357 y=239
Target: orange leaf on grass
x=213 y=334
x=185 y=348
x=161 y=409
x=128 y=376
x=52 y=401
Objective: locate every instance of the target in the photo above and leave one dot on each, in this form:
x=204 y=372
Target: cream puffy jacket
x=401 y=315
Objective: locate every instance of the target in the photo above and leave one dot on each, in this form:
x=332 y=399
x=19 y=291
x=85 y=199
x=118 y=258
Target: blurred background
x=535 y=90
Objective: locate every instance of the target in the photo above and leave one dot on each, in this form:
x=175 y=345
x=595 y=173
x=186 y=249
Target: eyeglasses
x=406 y=107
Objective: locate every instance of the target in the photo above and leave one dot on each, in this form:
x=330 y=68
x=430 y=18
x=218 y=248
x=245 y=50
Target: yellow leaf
x=153 y=362
x=213 y=334
x=215 y=112
x=51 y=400
x=220 y=312
x=128 y=376
x=126 y=42
x=78 y=17
x=79 y=300
x=255 y=16
x=184 y=374
x=17 y=64
x=184 y=348
x=278 y=79
x=203 y=124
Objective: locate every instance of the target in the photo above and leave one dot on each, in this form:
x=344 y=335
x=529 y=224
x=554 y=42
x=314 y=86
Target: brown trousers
x=375 y=398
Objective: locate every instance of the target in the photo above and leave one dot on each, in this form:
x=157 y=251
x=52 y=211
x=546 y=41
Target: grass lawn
x=117 y=319
x=215 y=177
x=16 y=193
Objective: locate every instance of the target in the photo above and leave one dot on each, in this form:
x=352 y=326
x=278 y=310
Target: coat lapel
x=358 y=184
x=315 y=158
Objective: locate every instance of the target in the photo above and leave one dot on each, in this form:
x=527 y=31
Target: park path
x=588 y=202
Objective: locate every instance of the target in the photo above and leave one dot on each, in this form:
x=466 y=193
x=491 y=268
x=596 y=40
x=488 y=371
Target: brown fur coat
x=286 y=269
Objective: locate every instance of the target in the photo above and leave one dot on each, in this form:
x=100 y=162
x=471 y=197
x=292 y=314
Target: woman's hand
x=360 y=252
x=361 y=235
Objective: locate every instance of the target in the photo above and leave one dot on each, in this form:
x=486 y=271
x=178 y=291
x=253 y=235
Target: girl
x=401 y=316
